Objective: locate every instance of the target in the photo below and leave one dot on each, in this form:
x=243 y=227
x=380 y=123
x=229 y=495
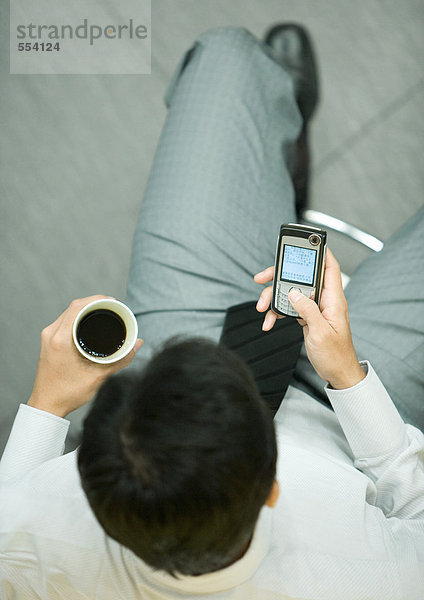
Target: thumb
x=127 y=360
x=138 y=345
x=307 y=308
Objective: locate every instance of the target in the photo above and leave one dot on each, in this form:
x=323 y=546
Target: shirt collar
x=221 y=580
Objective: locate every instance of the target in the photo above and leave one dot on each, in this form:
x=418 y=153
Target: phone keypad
x=284 y=305
x=283 y=302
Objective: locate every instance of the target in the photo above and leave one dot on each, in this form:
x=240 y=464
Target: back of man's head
x=177 y=461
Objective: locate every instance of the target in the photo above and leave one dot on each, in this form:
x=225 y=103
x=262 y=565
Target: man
x=176 y=490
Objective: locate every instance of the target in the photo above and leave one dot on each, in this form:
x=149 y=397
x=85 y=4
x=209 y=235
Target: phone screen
x=298 y=264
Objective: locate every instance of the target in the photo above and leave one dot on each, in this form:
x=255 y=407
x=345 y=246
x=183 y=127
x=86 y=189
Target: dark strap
x=270 y=355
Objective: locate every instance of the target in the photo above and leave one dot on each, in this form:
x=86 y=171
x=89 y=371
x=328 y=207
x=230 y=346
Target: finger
x=264 y=300
x=81 y=302
x=139 y=342
x=269 y=321
x=127 y=360
x=137 y=345
x=68 y=316
x=307 y=308
x=332 y=273
x=78 y=303
x=264 y=276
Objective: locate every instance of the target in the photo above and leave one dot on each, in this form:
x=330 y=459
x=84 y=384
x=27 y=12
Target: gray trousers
x=217 y=194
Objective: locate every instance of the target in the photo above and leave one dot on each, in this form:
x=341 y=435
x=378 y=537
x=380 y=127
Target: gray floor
x=76 y=153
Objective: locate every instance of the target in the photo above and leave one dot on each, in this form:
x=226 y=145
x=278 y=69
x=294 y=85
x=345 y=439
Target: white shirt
x=349 y=523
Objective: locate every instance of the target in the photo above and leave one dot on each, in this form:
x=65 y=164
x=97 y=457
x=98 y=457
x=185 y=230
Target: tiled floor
x=76 y=152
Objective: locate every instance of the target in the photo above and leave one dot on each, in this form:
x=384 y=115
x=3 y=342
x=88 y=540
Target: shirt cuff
x=36 y=436
x=368 y=417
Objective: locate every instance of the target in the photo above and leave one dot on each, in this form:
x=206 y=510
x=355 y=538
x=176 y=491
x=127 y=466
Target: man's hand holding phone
x=326 y=330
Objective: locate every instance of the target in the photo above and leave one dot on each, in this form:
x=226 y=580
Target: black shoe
x=292 y=47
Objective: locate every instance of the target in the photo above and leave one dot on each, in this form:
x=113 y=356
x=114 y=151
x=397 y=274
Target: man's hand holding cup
x=67 y=377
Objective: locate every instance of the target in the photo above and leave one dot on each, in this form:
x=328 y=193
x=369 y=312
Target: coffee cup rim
x=129 y=341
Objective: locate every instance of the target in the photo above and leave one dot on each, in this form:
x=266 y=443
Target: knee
x=229 y=48
x=219 y=57
x=227 y=38
x=228 y=62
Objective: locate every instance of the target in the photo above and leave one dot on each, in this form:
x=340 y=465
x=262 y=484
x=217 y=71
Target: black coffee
x=101 y=332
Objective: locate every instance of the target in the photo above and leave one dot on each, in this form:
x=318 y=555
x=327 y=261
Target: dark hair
x=178 y=460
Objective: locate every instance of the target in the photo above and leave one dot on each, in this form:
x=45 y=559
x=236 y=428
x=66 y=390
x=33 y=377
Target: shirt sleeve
x=36 y=436
x=386 y=449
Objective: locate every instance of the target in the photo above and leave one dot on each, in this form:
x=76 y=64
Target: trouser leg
x=218 y=190
x=386 y=308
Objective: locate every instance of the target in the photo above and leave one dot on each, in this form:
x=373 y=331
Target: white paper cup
x=130 y=324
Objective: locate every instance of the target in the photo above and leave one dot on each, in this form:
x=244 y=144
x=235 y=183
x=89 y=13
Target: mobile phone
x=299 y=263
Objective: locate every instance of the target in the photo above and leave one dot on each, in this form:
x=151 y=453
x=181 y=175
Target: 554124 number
x=38 y=46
